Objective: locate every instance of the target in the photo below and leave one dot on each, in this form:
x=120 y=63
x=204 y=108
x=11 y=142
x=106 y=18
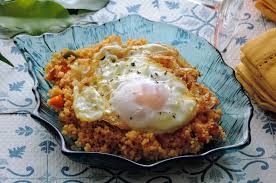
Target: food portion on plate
x=136 y=100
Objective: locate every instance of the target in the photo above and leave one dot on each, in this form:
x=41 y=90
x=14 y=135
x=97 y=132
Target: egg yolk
x=152 y=96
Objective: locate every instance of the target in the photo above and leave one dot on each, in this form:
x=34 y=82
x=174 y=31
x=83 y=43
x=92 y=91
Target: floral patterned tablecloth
x=29 y=154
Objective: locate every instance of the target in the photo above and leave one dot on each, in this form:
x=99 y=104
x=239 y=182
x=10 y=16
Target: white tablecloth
x=29 y=153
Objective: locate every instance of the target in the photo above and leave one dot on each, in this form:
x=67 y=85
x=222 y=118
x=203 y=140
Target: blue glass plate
x=220 y=78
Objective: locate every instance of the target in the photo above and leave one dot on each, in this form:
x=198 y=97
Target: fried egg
x=133 y=90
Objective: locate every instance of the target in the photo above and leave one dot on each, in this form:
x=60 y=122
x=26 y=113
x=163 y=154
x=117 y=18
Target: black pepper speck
x=113 y=60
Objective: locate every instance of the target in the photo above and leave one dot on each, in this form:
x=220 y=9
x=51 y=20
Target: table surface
x=29 y=153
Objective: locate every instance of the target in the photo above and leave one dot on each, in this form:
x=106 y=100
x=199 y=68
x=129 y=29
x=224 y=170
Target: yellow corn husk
x=271 y=4
x=257 y=70
x=266 y=9
x=248 y=86
x=248 y=77
x=258 y=77
x=259 y=55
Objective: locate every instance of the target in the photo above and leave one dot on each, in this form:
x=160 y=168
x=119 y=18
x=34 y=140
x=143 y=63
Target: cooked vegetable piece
x=56 y=102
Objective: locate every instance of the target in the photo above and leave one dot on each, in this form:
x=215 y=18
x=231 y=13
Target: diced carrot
x=65 y=68
x=51 y=75
x=56 y=102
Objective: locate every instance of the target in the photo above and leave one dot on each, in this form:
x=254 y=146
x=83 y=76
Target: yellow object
x=260 y=53
x=257 y=77
x=253 y=89
x=257 y=72
x=271 y=4
x=267 y=8
x=251 y=92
